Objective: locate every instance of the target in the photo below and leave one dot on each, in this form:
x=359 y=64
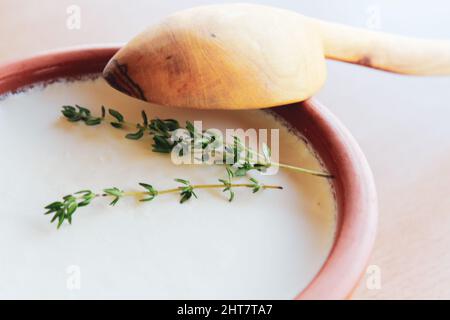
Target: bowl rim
x=354 y=184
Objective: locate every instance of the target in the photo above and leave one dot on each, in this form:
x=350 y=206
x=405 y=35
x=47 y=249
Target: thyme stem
x=201 y=186
x=161 y=130
x=303 y=170
x=64 y=209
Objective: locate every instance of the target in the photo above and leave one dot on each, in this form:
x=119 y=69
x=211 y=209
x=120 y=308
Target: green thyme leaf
x=64 y=210
x=137 y=135
x=145 y=119
x=116 y=114
x=162 y=144
x=116 y=193
x=171 y=124
x=83 y=111
x=256 y=186
x=93 y=121
x=186 y=182
x=187 y=191
x=117 y=125
x=151 y=192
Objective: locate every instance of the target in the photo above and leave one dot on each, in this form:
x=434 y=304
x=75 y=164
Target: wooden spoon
x=242 y=56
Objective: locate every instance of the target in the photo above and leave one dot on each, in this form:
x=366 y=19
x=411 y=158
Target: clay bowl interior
x=353 y=182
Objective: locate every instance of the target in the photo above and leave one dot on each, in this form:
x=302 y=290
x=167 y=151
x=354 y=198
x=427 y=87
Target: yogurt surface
x=267 y=245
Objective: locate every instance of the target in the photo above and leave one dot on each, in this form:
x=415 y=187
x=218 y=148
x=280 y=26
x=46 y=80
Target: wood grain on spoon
x=242 y=56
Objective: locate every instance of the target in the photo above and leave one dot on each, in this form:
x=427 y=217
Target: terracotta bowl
x=353 y=182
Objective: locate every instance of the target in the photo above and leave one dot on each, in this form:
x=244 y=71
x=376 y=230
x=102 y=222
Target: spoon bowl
x=217 y=57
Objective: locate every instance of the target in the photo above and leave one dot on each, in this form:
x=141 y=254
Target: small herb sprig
x=64 y=209
x=163 y=142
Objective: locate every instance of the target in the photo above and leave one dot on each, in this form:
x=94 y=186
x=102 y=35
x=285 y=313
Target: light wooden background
x=402 y=123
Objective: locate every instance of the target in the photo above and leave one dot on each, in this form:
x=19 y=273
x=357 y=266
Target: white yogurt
x=264 y=245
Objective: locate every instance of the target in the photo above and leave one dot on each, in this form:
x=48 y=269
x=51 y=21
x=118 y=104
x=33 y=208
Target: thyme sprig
x=64 y=209
x=161 y=131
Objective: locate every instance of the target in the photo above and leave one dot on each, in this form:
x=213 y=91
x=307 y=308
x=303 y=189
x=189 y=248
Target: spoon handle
x=384 y=51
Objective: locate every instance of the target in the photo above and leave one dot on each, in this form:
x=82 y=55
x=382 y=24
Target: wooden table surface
x=402 y=123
